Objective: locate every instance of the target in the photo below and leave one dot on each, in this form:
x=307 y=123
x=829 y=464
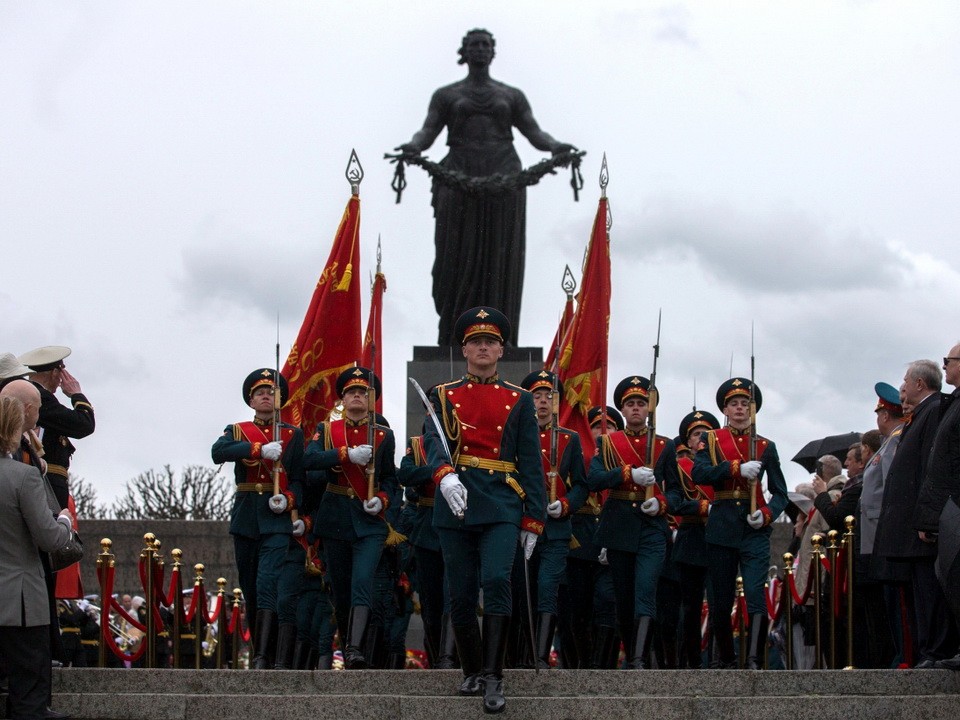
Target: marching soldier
x=487 y=466
x=350 y=520
x=633 y=527
x=260 y=521
x=690 y=545
x=416 y=476
x=59 y=423
x=736 y=535
x=592 y=600
x=566 y=491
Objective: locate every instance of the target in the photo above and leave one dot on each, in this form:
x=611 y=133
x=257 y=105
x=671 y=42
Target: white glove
x=750 y=469
x=602 y=557
x=373 y=506
x=360 y=455
x=271 y=451
x=299 y=528
x=643 y=476
x=278 y=503
x=651 y=507
x=454 y=493
x=528 y=540
x=555 y=509
x=755 y=520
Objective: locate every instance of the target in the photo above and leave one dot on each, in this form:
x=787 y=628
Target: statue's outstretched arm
x=425 y=136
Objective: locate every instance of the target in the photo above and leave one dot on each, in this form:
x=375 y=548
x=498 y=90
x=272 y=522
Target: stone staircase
x=549 y=695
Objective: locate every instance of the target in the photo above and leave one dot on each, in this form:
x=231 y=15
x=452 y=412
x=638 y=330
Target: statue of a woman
x=480 y=236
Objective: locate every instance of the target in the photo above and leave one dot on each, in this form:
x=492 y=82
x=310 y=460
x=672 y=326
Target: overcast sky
x=171 y=175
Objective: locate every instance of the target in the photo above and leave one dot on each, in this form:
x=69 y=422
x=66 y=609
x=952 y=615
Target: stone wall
x=202 y=541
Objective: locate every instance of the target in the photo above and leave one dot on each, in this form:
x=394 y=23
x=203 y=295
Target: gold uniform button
x=474 y=462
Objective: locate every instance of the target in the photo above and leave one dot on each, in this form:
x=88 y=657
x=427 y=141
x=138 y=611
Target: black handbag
x=69 y=554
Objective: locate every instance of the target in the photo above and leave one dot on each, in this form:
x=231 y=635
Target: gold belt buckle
x=633 y=495
x=474 y=461
x=260 y=488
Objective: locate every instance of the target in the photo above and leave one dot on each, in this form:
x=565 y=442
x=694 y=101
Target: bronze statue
x=479 y=188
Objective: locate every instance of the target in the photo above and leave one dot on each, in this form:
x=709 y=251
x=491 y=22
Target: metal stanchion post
x=177 y=555
x=199 y=616
x=848 y=542
x=237 y=634
x=221 y=585
x=105 y=561
x=788 y=608
x=833 y=551
x=147 y=555
x=816 y=554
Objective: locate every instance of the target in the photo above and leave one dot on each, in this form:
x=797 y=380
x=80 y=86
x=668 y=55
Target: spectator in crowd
x=942 y=480
x=896 y=538
x=27 y=527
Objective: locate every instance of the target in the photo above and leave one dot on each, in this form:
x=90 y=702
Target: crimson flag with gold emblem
x=372 y=356
x=583 y=354
x=566 y=319
x=329 y=338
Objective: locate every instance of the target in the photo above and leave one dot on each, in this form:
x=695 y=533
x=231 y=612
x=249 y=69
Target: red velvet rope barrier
x=740 y=611
x=188 y=615
x=236 y=617
x=774 y=606
x=799 y=599
x=218 y=608
x=174 y=587
x=106 y=637
x=157 y=591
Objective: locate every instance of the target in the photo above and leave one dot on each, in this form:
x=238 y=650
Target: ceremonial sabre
x=652 y=397
x=753 y=427
x=432 y=414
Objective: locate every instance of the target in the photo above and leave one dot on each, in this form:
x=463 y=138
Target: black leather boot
x=263 y=638
x=546 y=626
x=757 y=642
x=448 y=645
x=286 y=641
x=495 y=629
x=470 y=650
x=353 y=658
x=301 y=655
x=628 y=634
x=638 y=653
x=603 y=637
x=725 y=657
x=431 y=642
x=668 y=648
x=325 y=662
x=691 y=638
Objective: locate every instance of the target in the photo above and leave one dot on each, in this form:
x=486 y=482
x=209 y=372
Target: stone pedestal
x=432 y=365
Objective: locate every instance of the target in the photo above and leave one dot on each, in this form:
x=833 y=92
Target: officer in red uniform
x=738 y=538
x=566 y=492
x=260 y=521
x=350 y=520
x=494 y=495
x=690 y=545
x=633 y=527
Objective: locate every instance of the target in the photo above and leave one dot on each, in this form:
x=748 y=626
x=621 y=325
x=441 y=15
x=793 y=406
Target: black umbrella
x=948 y=555
x=836 y=445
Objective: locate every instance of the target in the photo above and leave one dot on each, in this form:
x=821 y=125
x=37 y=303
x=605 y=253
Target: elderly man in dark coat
x=896 y=538
x=942 y=481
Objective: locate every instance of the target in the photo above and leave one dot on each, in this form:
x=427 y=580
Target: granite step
x=102 y=694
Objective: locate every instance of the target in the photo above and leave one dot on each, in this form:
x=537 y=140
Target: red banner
x=372 y=355
x=583 y=356
x=329 y=339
